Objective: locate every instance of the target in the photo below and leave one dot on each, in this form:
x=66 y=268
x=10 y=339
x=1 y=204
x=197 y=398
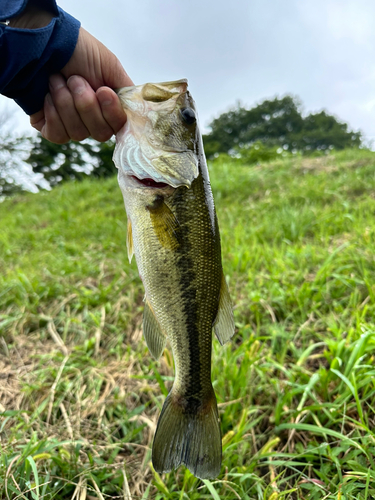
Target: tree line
x=254 y=134
x=53 y=163
x=278 y=123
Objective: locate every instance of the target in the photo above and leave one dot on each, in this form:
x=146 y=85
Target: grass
x=80 y=394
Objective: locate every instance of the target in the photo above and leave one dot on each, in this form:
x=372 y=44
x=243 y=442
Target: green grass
x=80 y=394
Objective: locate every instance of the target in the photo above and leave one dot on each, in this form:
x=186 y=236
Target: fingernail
x=76 y=85
x=103 y=99
x=38 y=125
x=56 y=82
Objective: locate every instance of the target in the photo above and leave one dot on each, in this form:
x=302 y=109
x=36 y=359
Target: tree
x=278 y=122
x=104 y=166
x=71 y=161
x=13 y=148
x=321 y=131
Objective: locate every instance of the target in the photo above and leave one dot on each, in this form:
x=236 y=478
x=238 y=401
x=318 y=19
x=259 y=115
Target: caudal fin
x=185 y=436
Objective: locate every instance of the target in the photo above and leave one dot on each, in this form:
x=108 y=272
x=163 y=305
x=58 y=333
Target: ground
x=80 y=395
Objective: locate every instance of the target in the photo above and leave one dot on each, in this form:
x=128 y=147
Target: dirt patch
x=320 y=164
x=329 y=164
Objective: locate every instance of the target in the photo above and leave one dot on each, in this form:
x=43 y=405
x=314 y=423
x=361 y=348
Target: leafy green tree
x=321 y=131
x=13 y=148
x=104 y=164
x=278 y=122
x=71 y=161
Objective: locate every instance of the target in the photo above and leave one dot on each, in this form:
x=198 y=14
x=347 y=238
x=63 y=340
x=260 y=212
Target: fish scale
x=173 y=232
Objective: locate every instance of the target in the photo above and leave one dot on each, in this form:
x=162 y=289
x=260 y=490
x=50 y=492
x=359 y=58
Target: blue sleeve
x=28 y=57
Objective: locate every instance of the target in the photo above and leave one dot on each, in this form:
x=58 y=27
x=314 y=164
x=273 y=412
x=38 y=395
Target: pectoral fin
x=129 y=241
x=154 y=336
x=224 y=322
x=165 y=224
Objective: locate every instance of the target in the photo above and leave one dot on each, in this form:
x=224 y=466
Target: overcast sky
x=320 y=50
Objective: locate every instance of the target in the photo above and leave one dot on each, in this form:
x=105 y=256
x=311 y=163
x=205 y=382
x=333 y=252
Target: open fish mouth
x=158 y=141
x=150 y=183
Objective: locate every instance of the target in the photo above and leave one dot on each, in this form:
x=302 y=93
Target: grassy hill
x=80 y=394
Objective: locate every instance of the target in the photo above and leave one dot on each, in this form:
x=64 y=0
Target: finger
x=111 y=108
x=64 y=104
x=88 y=108
x=37 y=120
x=53 y=130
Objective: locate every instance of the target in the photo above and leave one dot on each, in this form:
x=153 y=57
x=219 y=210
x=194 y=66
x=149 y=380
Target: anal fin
x=155 y=338
x=224 y=321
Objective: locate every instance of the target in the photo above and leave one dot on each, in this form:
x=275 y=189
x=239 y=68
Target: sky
x=322 y=51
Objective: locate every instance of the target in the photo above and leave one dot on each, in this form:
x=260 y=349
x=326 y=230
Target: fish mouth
x=148 y=182
x=140 y=152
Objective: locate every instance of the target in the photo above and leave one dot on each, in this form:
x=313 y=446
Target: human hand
x=81 y=102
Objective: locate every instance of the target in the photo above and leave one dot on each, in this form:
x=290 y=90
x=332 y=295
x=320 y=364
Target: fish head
x=159 y=143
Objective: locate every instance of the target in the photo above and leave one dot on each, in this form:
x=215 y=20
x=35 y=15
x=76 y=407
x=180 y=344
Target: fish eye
x=188 y=115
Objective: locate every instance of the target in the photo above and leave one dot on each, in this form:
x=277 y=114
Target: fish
x=174 y=234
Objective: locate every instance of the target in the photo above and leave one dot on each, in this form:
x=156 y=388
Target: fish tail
x=188 y=433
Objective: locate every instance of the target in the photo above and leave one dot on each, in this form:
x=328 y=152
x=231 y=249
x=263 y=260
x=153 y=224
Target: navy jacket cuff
x=29 y=57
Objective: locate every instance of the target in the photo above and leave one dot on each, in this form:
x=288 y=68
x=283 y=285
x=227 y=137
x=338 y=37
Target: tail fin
x=185 y=436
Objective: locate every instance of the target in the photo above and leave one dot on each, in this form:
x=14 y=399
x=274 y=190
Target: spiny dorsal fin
x=129 y=241
x=224 y=322
x=154 y=336
x=165 y=224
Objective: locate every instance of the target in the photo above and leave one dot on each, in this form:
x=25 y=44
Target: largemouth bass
x=174 y=234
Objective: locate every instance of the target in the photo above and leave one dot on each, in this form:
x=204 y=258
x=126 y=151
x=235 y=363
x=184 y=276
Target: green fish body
x=174 y=234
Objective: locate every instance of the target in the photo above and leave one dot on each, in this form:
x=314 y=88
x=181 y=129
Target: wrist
x=31 y=18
